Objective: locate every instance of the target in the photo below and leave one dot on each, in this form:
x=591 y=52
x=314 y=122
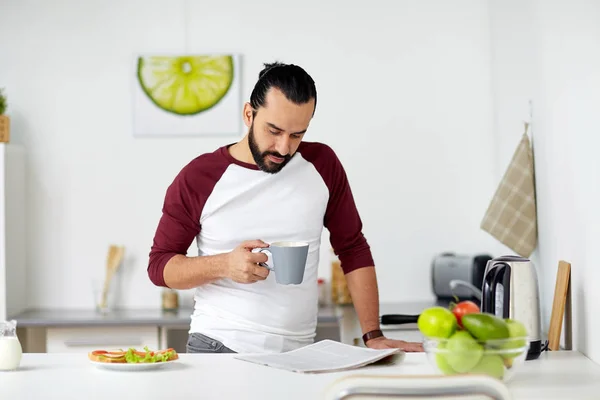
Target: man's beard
x=260 y=158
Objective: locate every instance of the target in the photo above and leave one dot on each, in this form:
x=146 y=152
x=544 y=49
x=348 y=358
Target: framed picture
x=186 y=95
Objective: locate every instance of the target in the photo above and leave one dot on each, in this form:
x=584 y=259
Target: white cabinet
x=12 y=229
x=86 y=339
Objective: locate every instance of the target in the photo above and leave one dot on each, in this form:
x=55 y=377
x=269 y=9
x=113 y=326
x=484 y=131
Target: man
x=270 y=186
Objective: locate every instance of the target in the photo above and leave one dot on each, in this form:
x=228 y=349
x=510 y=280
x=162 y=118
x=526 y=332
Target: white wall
x=547 y=52
x=16 y=229
x=2 y=235
x=404 y=98
x=13 y=295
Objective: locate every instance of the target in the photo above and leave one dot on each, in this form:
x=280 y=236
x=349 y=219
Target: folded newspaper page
x=323 y=356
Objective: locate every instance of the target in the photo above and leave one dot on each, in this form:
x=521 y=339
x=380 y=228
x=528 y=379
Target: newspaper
x=323 y=356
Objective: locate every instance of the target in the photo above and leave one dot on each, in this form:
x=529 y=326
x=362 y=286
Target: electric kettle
x=510 y=290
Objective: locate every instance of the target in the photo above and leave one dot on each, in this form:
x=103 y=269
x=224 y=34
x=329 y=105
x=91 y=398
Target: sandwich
x=133 y=356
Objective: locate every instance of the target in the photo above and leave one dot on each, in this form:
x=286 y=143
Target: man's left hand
x=385 y=343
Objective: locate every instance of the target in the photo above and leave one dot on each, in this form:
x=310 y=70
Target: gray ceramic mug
x=289 y=261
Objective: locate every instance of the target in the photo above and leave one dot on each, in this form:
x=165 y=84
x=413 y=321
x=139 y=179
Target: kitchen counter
x=156 y=317
x=119 y=317
x=38 y=318
x=555 y=375
x=43 y=330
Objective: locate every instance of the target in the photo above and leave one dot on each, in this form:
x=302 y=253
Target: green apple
x=442 y=362
x=492 y=365
x=437 y=322
x=463 y=351
x=517 y=340
x=516 y=329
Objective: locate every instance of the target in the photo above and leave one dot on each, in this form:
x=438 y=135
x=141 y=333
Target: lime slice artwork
x=185 y=85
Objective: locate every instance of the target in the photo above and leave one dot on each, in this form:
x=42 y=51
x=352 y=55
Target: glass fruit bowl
x=463 y=354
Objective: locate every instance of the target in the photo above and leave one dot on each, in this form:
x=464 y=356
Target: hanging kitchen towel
x=511 y=216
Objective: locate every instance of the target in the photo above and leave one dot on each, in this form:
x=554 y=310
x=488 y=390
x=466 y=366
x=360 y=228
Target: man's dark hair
x=295 y=83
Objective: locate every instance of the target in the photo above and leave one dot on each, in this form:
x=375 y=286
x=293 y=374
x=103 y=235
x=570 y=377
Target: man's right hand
x=242 y=264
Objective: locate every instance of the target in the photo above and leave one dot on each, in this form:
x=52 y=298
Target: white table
x=556 y=375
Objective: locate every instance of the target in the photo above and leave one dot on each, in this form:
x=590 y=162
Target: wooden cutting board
x=561 y=290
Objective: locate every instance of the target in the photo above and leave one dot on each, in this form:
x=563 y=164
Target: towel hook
x=528 y=122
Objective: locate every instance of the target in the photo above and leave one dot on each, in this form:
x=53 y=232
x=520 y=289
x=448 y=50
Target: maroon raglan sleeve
x=182 y=208
x=341 y=217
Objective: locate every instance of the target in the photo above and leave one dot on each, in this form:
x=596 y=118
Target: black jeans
x=199 y=343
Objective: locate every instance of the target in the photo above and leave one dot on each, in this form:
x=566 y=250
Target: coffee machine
x=510 y=290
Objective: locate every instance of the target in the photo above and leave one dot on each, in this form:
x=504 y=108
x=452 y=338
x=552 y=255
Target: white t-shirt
x=222 y=202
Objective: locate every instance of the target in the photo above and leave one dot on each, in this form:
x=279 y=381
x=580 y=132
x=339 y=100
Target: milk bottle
x=10 y=346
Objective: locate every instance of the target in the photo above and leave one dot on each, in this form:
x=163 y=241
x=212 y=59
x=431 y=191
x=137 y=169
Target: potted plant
x=4 y=120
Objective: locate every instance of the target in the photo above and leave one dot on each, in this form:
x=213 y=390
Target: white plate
x=132 y=366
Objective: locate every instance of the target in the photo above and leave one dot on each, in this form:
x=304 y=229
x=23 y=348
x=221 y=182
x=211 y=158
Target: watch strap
x=372 y=335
